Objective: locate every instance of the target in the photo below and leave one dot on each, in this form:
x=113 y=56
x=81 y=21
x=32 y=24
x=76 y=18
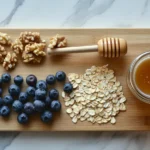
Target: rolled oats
x=69 y=110
x=97 y=96
x=74 y=119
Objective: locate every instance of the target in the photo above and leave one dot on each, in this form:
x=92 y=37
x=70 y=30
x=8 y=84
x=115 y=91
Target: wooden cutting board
x=137 y=116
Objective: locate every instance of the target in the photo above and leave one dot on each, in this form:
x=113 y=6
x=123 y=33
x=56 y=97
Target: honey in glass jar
x=142 y=76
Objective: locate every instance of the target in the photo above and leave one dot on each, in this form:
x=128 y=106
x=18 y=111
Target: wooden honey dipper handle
x=107 y=47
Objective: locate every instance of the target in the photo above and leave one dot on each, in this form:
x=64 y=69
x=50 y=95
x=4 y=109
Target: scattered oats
x=78 y=81
x=114 y=95
x=76 y=110
x=122 y=100
x=113 y=120
x=72 y=95
x=92 y=119
x=71 y=102
x=117 y=83
x=122 y=107
x=78 y=94
x=74 y=119
x=97 y=96
x=91 y=112
x=72 y=115
x=67 y=104
x=63 y=94
x=87 y=115
x=101 y=109
x=106 y=105
x=102 y=101
x=78 y=116
x=80 y=106
x=100 y=95
x=119 y=89
x=75 y=85
x=82 y=119
x=66 y=99
x=93 y=97
x=115 y=100
x=113 y=79
x=104 y=120
x=83 y=112
x=69 y=110
x=114 y=113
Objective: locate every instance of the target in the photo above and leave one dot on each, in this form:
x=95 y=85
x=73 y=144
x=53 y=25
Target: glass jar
x=131 y=78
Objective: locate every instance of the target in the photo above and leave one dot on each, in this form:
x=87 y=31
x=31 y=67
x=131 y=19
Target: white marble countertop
x=75 y=13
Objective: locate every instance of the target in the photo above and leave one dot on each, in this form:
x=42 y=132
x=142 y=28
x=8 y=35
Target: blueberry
x=55 y=105
x=50 y=79
x=31 y=91
x=1 y=82
x=1 y=91
x=53 y=94
x=18 y=80
x=46 y=116
x=48 y=101
x=6 y=77
x=68 y=87
x=4 y=111
x=17 y=106
x=60 y=76
x=39 y=105
x=31 y=80
x=1 y=102
x=23 y=97
x=29 y=108
x=41 y=84
x=8 y=100
x=40 y=94
x=22 y=118
x=14 y=90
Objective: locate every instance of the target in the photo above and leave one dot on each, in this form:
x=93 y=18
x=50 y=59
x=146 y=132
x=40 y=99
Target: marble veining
x=85 y=10
x=75 y=13
x=7 y=20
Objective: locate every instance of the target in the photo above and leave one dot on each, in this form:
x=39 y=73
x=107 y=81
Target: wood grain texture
x=137 y=116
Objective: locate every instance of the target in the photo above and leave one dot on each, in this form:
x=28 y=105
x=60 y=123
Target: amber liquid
x=142 y=76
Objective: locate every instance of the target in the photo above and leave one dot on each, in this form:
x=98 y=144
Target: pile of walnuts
x=29 y=45
x=33 y=47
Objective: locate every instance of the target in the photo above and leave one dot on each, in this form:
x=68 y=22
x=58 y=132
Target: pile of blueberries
x=36 y=98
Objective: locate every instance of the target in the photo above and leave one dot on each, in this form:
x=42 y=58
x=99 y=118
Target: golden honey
x=142 y=76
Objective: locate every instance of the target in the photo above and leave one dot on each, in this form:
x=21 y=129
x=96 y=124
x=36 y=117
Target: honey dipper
x=107 y=47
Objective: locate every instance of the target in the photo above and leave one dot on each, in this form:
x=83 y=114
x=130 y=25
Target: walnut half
x=57 y=41
x=29 y=37
x=17 y=46
x=10 y=61
x=34 y=53
x=4 y=39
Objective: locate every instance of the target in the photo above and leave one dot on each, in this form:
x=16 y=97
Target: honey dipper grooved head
x=112 y=47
